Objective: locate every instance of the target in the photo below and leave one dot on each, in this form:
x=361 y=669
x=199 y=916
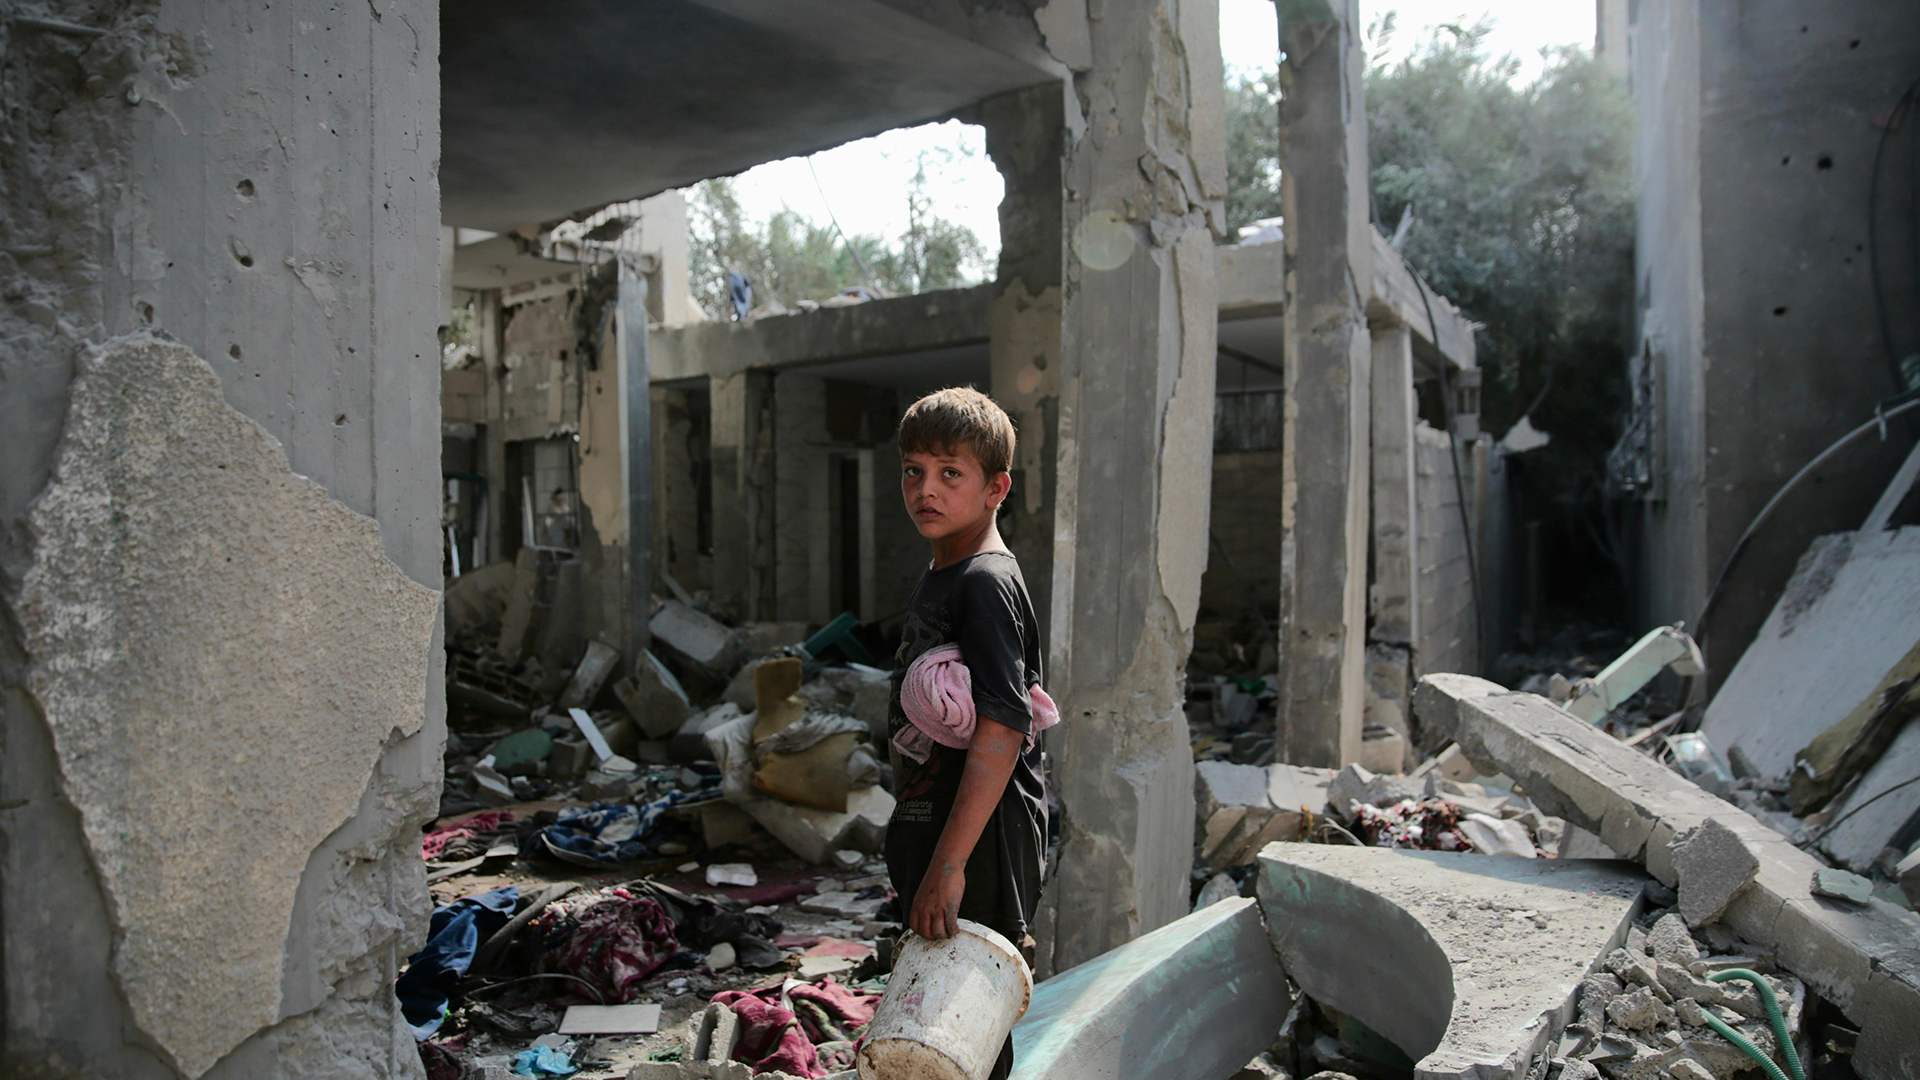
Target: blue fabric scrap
x=454 y=934
x=609 y=832
x=543 y=1061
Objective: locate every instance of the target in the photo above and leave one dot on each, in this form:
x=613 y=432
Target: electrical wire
x=1899 y=114
x=1887 y=410
x=865 y=274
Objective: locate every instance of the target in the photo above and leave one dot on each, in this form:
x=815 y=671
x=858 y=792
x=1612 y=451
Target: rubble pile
x=632 y=846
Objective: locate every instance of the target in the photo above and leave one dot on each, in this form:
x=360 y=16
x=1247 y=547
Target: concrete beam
x=924 y=322
x=1470 y=964
x=1253 y=280
x=1864 y=958
x=1144 y=191
x=1194 y=1000
x=1394 y=294
x=1324 y=489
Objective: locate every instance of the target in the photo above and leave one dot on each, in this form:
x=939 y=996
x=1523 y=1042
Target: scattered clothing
x=937 y=697
x=441 y=1057
x=785 y=1028
x=701 y=924
x=454 y=934
x=606 y=832
x=612 y=938
x=543 y=1061
x=1427 y=825
x=464 y=839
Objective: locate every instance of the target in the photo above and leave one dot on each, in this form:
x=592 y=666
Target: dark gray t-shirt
x=979 y=603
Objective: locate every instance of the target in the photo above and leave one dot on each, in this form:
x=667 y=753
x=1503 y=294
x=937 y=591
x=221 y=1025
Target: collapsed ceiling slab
x=550 y=109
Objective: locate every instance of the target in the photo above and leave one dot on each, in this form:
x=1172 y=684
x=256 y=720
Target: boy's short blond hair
x=959 y=417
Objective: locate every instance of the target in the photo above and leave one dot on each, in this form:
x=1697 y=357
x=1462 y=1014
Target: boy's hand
x=936 y=910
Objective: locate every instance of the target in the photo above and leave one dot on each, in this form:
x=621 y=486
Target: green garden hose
x=1774 y=1019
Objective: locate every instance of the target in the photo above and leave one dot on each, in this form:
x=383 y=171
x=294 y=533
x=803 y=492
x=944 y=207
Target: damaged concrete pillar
x=1324 y=491
x=1393 y=597
x=741 y=461
x=1144 y=176
x=1026 y=135
x=221 y=710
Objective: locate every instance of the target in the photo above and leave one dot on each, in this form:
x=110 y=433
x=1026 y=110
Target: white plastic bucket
x=948 y=1007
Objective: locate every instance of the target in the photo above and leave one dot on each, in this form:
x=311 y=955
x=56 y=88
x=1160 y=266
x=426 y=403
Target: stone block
x=1356 y=784
x=653 y=697
x=723 y=823
x=1671 y=941
x=694 y=638
x=814 y=835
x=690 y=742
x=1714 y=866
x=1383 y=751
x=1865 y=959
x=1298 y=787
x=1470 y=964
x=1205 y=989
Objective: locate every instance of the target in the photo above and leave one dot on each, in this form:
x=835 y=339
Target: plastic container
x=948 y=1007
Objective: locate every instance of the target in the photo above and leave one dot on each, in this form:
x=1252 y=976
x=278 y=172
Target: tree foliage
x=1253 y=148
x=790 y=258
x=1522 y=208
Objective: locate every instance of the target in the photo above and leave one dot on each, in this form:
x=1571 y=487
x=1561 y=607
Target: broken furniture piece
x=1662 y=647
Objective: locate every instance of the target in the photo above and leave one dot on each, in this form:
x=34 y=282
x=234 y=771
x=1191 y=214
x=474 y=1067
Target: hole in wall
x=246 y=260
x=244 y=188
x=1787 y=159
x=1854 y=44
x=146 y=313
x=340 y=420
x=234 y=351
x=1825 y=162
x=1781 y=310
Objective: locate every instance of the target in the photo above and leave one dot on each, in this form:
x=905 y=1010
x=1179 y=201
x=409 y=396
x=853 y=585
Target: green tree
x=791 y=258
x=1253 y=148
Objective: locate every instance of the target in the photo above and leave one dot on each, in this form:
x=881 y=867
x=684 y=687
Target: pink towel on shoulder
x=937 y=696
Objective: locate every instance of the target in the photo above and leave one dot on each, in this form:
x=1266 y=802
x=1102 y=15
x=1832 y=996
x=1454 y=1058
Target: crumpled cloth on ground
x=782 y=1026
x=462 y=840
x=700 y=924
x=454 y=934
x=606 y=832
x=442 y=1057
x=610 y=938
x=1427 y=825
x=937 y=696
x=543 y=1061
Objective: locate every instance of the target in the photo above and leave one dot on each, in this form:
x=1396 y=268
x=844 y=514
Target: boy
x=967 y=835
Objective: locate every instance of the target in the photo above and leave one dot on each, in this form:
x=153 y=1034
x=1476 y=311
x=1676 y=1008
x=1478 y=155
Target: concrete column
x=1394 y=605
x=636 y=428
x=1144 y=176
x=742 y=495
x=1324 y=490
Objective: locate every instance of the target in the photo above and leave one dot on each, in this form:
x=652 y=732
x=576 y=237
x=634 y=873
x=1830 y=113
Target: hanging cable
x=865 y=275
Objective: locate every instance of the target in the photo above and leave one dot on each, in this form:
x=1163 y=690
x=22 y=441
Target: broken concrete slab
x=702 y=642
x=1848 y=615
x=1714 y=866
x=653 y=697
x=815 y=835
x=1135 y=1011
x=590 y=676
x=1865 y=959
x=1298 y=787
x=200 y=679
x=1356 y=784
x=1837 y=884
x=1470 y=964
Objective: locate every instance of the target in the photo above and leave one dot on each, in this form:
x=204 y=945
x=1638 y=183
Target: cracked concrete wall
x=217 y=174
x=1143 y=178
x=1324 y=482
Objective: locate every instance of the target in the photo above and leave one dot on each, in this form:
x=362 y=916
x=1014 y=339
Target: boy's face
x=948 y=492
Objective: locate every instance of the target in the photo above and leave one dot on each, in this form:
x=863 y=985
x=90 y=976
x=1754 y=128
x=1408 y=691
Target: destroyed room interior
x=456 y=597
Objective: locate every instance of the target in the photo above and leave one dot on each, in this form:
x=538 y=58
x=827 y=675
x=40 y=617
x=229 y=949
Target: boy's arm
x=990 y=760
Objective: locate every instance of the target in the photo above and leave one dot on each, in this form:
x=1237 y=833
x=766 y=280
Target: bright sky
x=866 y=181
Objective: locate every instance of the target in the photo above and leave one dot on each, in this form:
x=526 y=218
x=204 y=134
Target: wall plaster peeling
x=212 y=639
x=1186 y=462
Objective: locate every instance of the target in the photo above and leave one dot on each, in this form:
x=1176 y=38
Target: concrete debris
x=610 y=1020
x=700 y=641
x=590 y=676
x=1863 y=958
x=1492 y=836
x=1639 y=1010
x=814 y=835
x=741 y=874
x=1838 y=884
x=1218 y=887
x=1216 y=963
x=1670 y=942
x=654 y=698
x=1714 y=866
x=1357 y=785
x=1469 y=962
